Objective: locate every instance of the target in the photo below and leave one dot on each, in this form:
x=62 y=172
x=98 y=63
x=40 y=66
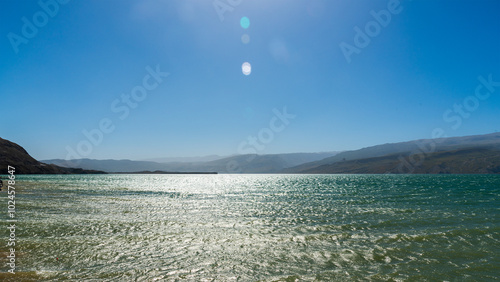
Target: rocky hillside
x=478 y=154
x=480 y=160
x=378 y=156
x=16 y=156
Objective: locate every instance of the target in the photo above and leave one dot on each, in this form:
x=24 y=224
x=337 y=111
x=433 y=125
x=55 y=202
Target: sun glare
x=246 y=68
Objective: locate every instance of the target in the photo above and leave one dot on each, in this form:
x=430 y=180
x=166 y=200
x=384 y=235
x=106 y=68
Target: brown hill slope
x=403 y=148
x=14 y=155
x=476 y=160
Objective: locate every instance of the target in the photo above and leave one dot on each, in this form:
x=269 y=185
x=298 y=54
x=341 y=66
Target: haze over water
x=258 y=227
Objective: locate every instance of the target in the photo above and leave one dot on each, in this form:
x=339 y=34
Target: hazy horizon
x=215 y=156
x=157 y=79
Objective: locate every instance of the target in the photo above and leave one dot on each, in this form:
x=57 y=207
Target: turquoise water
x=256 y=227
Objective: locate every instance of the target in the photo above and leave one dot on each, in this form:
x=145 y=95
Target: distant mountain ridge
x=185 y=159
x=272 y=163
x=478 y=160
x=469 y=154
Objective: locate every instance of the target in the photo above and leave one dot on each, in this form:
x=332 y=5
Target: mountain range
x=273 y=163
x=474 y=154
x=478 y=154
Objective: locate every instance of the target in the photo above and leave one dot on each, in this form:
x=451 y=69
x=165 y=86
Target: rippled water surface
x=257 y=227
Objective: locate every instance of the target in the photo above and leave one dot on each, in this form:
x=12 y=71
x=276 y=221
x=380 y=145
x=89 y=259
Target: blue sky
x=403 y=84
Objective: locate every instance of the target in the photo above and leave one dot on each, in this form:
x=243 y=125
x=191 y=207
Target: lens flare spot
x=245 y=38
x=245 y=22
x=246 y=68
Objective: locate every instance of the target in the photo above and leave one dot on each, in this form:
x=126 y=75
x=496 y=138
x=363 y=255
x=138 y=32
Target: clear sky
x=349 y=75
